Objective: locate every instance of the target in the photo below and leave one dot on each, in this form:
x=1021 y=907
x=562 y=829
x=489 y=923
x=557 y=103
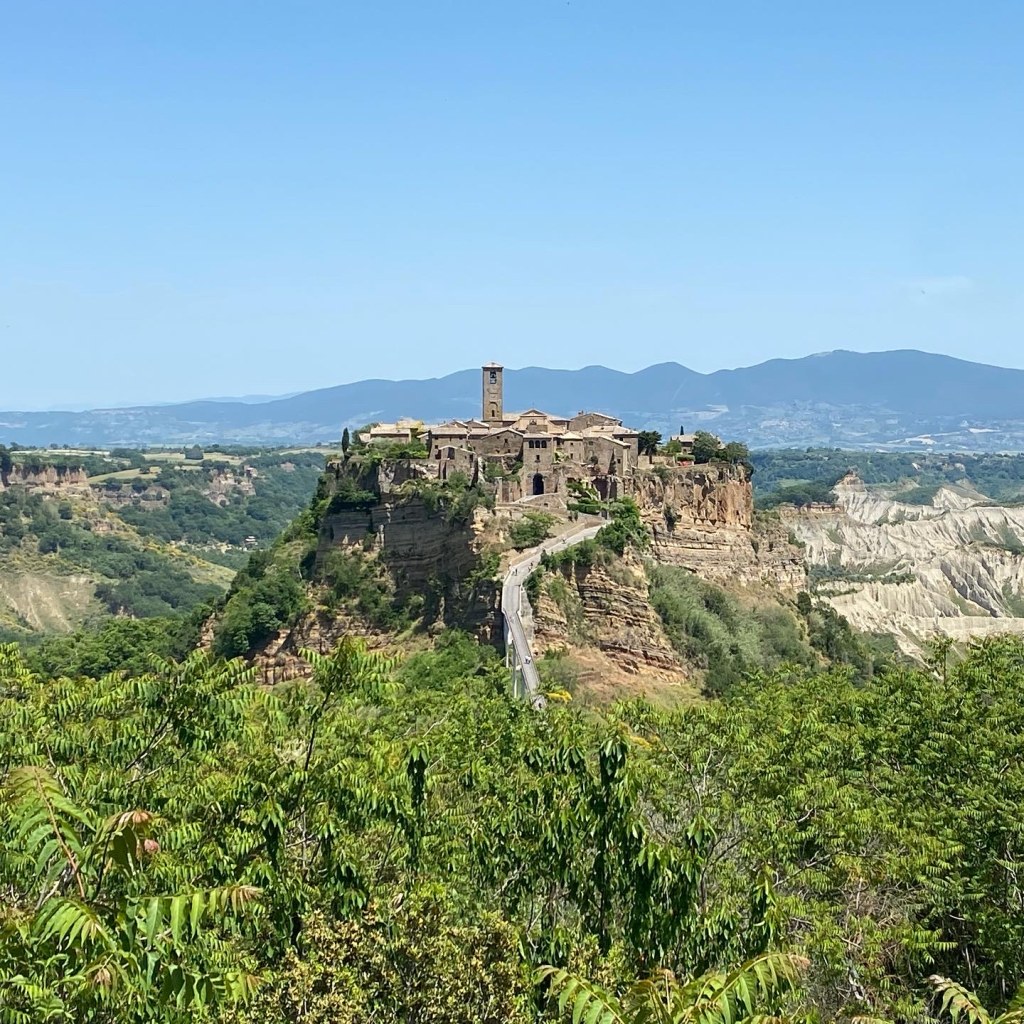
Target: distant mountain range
x=897 y=400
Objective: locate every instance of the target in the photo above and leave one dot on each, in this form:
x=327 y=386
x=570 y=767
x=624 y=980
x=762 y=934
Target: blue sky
x=226 y=198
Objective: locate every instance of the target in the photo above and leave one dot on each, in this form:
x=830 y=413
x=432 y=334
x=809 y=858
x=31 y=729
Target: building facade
x=533 y=453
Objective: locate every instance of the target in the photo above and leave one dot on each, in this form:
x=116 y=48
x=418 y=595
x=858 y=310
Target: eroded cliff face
x=424 y=552
x=702 y=519
x=49 y=479
x=955 y=566
x=427 y=549
x=605 y=608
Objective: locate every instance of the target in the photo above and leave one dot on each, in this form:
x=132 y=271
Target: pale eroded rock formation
x=954 y=567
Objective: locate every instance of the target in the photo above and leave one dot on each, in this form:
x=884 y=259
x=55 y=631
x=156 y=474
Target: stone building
x=533 y=453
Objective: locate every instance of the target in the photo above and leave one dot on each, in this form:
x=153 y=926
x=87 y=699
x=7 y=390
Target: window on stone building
x=494 y=377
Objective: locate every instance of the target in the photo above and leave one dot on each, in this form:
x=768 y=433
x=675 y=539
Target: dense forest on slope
x=402 y=841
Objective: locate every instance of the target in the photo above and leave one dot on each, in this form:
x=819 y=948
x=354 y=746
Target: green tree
x=346 y=441
x=717 y=997
x=736 y=451
x=960 y=1003
x=98 y=919
x=648 y=442
x=529 y=531
x=706 y=447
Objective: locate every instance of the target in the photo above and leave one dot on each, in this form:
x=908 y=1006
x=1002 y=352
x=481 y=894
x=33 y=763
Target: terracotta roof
x=493 y=431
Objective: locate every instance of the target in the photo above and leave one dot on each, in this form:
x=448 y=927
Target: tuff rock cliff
x=602 y=613
x=437 y=554
x=49 y=478
x=702 y=519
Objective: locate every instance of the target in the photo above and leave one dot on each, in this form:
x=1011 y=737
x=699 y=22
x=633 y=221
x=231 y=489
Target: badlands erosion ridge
x=954 y=566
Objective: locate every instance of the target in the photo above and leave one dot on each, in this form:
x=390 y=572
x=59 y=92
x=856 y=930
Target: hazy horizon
x=258 y=398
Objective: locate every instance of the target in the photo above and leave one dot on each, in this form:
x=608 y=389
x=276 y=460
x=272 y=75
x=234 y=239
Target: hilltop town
x=529 y=454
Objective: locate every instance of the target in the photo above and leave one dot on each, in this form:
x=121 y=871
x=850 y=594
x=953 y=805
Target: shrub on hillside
x=714 y=632
x=529 y=531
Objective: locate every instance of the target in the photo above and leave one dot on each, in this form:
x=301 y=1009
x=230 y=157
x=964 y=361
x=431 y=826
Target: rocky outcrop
x=223 y=483
x=50 y=478
x=702 y=519
x=46 y=601
x=320 y=631
x=416 y=542
x=429 y=549
x=607 y=607
x=151 y=496
x=954 y=566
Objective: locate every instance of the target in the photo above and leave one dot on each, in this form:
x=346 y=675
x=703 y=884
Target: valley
x=88 y=534
x=920 y=549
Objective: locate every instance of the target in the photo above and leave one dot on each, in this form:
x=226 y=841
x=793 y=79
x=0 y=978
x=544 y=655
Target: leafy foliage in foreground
x=387 y=842
x=717 y=997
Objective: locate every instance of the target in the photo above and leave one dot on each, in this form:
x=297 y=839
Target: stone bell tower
x=492 y=394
